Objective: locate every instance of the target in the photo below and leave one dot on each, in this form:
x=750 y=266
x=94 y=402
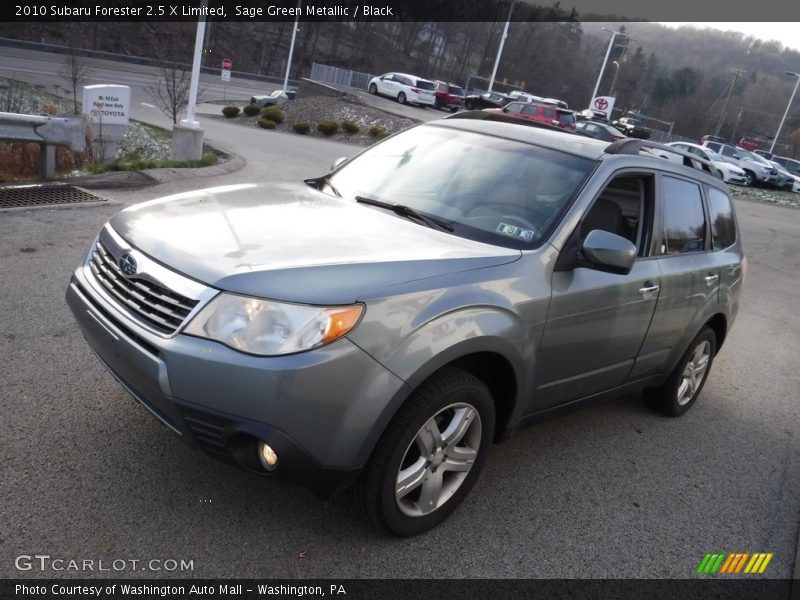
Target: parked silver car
x=757 y=169
x=380 y=326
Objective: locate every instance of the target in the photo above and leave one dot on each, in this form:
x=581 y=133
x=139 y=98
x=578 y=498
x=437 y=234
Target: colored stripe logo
x=734 y=563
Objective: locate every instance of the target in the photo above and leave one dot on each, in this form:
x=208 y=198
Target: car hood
x=291 y=242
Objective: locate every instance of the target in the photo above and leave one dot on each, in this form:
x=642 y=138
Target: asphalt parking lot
x=609 y=490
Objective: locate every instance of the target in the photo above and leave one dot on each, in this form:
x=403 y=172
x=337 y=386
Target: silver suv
x=379 y=327
x=756 y=168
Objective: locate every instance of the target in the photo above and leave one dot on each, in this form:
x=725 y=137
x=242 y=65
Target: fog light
x=267 y=456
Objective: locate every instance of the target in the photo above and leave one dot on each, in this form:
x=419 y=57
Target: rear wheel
x=437 y=103
x=680 y=391
x=453 y=109
x=430 y=455
x=401 y=98
x=469 y=105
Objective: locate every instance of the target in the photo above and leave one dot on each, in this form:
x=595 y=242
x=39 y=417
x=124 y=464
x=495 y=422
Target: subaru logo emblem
x=127 y=264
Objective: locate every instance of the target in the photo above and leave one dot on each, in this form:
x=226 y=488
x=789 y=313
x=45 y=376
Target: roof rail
x=635 y=146
x=501 y=117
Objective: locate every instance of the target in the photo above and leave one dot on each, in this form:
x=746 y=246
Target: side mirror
x=609 y=252
x=337 y=162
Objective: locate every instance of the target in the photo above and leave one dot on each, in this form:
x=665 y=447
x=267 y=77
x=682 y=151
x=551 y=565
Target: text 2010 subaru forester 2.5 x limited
x=378 y=327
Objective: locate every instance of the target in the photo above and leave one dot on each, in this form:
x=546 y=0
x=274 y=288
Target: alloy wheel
x=438 y=459
x=694 y=373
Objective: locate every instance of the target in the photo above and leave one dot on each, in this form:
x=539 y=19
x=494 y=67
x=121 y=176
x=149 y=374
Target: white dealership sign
x=107 y=104
x=604 y=104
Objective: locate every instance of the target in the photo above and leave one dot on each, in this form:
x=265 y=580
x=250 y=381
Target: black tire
x=453 y=109
x=469 y=105
x=444 y=393
x=750 y=179
x=437 y=103
x=668 y=398
x=373 y=89
x=401 y=98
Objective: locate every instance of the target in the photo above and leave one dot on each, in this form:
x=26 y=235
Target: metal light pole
x=614 y=35
x=291 y=48
x=500 y=50
x=786 y=112
x=198 y=57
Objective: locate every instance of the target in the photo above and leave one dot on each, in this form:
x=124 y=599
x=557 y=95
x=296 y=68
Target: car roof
x=410 y=75
x=556 y=140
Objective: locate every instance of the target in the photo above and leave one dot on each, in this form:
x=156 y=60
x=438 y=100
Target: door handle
x=711 y=278
x=649 y=289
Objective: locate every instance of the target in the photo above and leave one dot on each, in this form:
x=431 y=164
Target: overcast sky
x=786 y=33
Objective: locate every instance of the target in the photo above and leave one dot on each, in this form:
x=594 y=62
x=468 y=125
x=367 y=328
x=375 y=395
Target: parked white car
x=404 y=88
x=730 y=172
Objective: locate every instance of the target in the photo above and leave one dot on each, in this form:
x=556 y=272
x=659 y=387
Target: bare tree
x=171 y=93
x=11 y=96
x=76 y=73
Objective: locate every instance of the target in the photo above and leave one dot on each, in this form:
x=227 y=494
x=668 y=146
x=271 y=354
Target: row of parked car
x=735 y=164
x=411 y=89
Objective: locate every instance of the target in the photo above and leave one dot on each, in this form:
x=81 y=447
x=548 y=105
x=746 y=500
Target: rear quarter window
x=684 y=219
x=720 y=214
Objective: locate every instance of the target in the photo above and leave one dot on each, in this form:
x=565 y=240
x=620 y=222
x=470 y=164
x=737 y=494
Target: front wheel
x=681 y=389
x=373 y=89
x=749 y=179
x=430 y=455
x=401 y=98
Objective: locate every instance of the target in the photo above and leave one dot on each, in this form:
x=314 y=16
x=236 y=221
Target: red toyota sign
x=227 y=64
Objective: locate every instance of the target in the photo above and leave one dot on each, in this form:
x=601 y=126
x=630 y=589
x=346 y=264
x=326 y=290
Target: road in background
x=43 y=69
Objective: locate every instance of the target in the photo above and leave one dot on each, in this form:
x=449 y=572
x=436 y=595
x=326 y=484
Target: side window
x=514 y=107
x=714 y=146
x=684 y=220
x=720 y=214
x=624 y=208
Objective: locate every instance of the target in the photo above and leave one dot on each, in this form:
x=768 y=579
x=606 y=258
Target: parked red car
x=448 y=96
x=549 y=114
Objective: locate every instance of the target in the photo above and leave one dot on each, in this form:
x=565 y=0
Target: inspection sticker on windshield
x=517 y=232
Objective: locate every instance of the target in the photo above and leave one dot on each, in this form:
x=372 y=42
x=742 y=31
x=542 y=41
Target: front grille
x=208 y=431
x=160 y=307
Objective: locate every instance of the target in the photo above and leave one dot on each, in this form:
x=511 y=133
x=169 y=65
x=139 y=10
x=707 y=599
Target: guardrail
x=48 y=132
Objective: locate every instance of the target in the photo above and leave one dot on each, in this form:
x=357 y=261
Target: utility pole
x=736 y=127
x=725 y=107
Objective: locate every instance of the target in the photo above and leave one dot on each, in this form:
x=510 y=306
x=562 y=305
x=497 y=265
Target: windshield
x=489 y=189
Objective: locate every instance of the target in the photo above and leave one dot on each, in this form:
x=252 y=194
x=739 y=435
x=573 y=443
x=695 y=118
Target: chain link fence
x=339 y=77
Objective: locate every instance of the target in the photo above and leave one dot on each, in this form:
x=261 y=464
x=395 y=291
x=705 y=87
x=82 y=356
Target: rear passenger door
x=690 y=274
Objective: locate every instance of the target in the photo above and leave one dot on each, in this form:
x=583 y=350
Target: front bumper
x=317 y=409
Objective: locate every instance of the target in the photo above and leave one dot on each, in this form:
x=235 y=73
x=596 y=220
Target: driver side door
x=597 y=321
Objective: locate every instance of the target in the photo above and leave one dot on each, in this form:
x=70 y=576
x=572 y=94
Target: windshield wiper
x=408 y=212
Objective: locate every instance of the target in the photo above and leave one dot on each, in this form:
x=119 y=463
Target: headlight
x=271 y=328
